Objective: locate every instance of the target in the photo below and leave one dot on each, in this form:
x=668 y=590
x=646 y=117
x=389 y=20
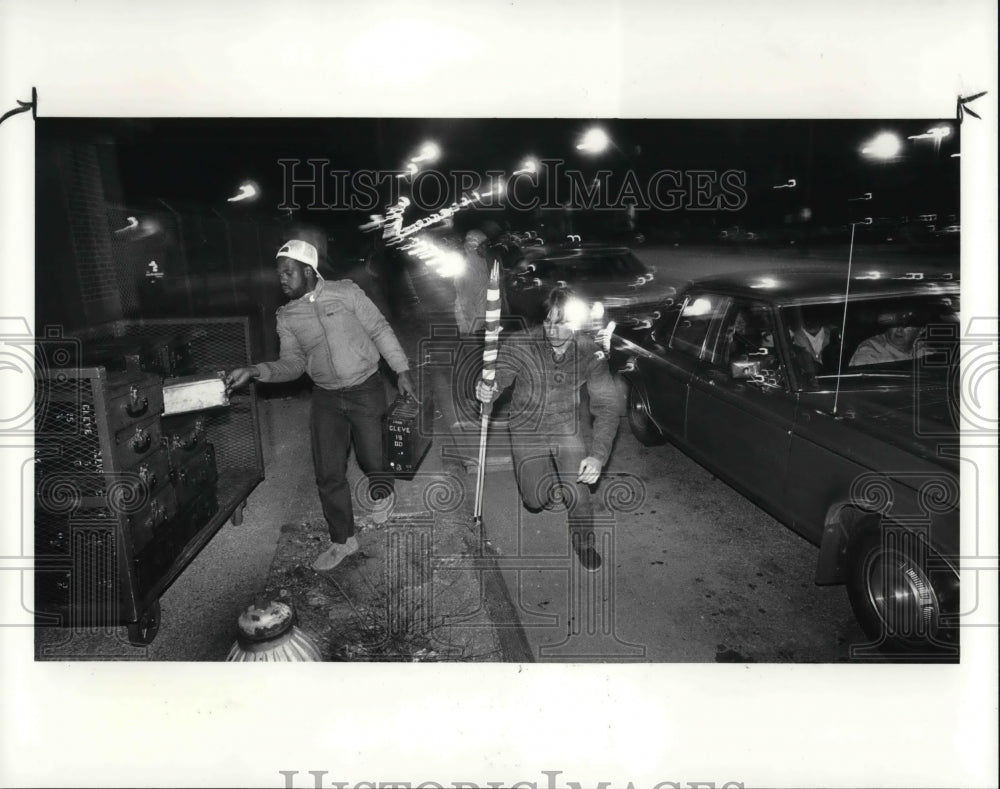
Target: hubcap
x=902 y=596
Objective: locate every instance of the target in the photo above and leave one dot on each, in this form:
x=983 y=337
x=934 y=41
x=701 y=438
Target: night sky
x=202 y=161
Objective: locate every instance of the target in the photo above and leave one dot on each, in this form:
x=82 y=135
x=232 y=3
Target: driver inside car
x=897 y=343
x=742 y=337
x=748 y=338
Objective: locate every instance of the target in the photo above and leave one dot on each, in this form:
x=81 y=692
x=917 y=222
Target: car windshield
x=880 y=336
x=619 y=267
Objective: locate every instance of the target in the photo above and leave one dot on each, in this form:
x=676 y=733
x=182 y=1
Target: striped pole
x=490 y=349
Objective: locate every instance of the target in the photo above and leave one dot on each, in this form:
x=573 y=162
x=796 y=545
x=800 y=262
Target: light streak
x=937 y=133
x=248 y=191
x=443 y=262
x=133 y=223
x=428 y=153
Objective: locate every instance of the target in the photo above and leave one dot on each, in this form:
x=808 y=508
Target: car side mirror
x=744 y=369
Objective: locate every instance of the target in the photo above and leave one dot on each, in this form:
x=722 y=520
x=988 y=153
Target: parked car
x=612 y=275
x=860 y=459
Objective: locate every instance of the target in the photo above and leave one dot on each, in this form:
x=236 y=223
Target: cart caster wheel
x=238 y=514
x=143 y=632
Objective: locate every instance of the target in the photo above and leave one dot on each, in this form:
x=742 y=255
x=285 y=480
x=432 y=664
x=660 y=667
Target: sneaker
x=335 y=554
x=583 y=546
x=383 y=509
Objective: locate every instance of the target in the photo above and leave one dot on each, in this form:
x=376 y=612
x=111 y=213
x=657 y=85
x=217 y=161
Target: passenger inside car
x=814 y=342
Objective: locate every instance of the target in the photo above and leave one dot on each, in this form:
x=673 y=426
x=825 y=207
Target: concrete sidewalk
x=415 y=590
x=425 y=572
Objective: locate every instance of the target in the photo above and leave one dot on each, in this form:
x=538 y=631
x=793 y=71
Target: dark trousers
x=337 y=417
x=546 y=474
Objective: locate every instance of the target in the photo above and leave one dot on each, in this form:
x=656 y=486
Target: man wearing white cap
x=333 y=332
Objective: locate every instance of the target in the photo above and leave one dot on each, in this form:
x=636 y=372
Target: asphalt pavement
x=693 y=572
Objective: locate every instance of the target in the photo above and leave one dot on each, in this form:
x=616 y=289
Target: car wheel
x=640 y=422
x=903 y=596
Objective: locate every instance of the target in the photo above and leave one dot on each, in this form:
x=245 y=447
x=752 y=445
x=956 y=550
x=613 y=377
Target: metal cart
x=126 y=498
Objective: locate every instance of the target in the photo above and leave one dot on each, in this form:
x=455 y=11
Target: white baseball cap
x=302 y=251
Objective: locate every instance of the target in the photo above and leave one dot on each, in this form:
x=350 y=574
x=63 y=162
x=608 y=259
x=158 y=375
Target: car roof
x=802 y=286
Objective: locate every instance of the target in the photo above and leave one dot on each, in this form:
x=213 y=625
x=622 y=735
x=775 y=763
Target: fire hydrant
x=267 y=631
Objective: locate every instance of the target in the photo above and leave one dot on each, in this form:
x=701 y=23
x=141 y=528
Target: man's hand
x=603 y=336
x=486 y=392
x=405 y=385
x=590 y=470
x=241 y=376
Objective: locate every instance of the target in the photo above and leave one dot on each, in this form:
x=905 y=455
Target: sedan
x=840 y=421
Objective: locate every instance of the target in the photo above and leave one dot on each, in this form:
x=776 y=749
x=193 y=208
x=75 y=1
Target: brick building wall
x=127 y=273
x=77 y=283
x=88 y=222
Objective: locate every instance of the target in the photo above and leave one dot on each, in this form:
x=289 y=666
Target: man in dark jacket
x=548 y=366
x=470 y=286
x=333 y=332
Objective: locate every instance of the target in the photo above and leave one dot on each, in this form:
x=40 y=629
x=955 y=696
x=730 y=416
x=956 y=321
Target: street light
x=885 y=146
x=937 y=134
x=528 y=166
x=248 y=190
x=429 y=152
x=132 y=224
x=594 y=141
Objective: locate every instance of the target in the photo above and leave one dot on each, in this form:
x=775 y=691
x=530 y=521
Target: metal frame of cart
x=234 y=431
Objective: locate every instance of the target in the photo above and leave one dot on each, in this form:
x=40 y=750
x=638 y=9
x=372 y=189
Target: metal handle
x=140 y=441
x=190 y=441
x=147 y=476
x=134 y=407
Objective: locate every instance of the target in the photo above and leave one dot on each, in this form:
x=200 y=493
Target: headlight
x=575 y=313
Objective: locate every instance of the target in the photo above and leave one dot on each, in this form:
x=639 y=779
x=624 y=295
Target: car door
x=742 y=428
x=675 y=347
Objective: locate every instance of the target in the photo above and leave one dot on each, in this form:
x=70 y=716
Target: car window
x=814 y=332
x=694 y=329
x=663 y=326
x=747 y=329
x=748 y=335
